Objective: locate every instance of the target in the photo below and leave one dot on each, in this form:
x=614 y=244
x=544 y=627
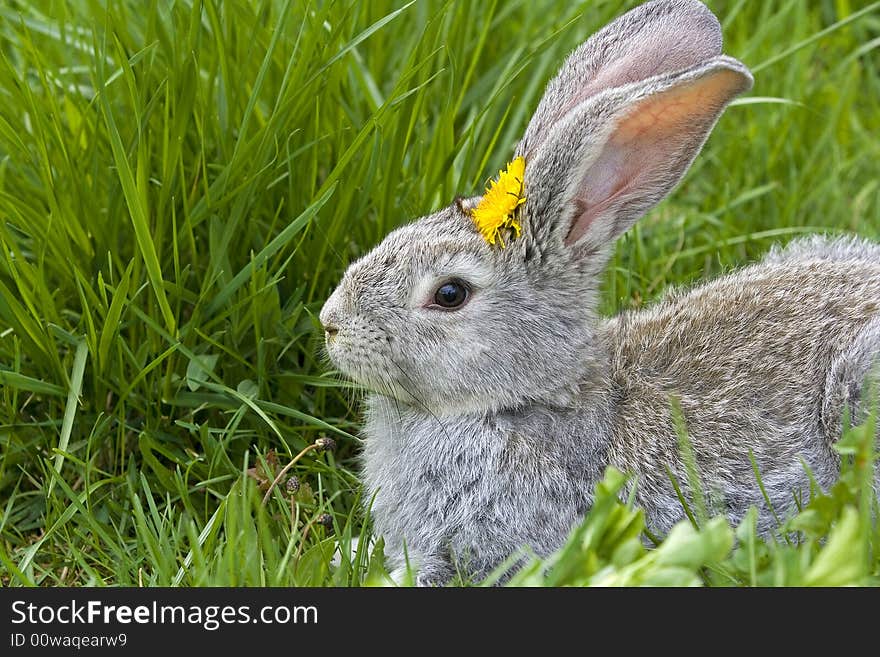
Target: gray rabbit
x=500 y=396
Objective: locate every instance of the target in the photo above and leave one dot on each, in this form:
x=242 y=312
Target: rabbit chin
x=383 y=381
x=385 y=384
x=397 y=385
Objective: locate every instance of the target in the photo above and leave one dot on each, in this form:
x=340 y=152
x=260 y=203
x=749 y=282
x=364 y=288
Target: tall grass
x=182 y=183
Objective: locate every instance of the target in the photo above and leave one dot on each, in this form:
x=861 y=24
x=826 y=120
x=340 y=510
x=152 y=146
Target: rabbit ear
x=623 y=120
x=652 y=39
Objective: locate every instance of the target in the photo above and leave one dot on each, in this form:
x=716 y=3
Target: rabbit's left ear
x=622 y=122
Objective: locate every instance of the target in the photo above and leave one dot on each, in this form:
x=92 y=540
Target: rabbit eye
x=451 y=295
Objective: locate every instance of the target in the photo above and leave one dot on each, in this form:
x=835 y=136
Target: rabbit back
x=762 y=362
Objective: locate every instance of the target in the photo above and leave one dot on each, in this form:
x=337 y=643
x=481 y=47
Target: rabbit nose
x=329 y=315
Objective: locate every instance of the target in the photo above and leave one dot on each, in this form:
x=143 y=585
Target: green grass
x=182 y=184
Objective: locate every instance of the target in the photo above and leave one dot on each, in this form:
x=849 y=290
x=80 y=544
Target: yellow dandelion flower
x=495 y=211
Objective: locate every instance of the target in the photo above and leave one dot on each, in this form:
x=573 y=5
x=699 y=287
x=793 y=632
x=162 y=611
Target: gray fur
x=489 y=425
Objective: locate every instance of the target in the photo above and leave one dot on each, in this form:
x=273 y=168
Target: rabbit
x=499 y=396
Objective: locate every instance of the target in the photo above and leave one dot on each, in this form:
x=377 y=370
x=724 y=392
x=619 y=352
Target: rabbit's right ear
x=622 y=121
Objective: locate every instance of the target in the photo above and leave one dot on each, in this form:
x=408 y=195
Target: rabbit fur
x=488 y=426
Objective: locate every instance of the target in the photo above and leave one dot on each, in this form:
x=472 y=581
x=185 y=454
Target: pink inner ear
x=612 y=175
x=648 y=151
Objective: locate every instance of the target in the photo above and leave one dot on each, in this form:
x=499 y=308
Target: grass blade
x=29 y=384
x=139 y=215
x=76 y=382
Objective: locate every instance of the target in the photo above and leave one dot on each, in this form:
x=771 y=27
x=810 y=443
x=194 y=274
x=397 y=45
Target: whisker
x=389 y=385
x=419 y=400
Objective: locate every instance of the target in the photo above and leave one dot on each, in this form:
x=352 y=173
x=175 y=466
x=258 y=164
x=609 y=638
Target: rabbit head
x=437 y=317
